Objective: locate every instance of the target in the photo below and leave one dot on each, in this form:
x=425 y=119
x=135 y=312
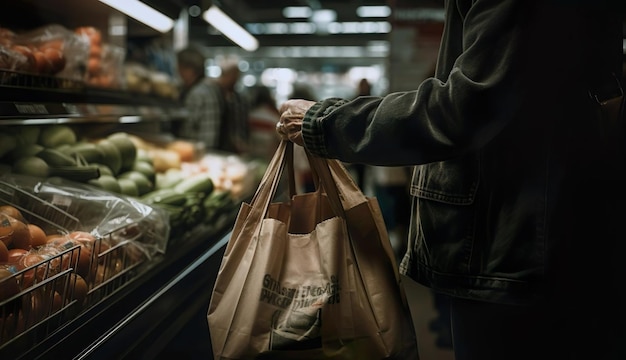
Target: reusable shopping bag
x=313 y=277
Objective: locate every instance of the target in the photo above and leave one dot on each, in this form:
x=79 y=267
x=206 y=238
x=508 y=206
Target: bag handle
x=343 y=193
x=327 y=183
x=267 y=186
x=333 y=178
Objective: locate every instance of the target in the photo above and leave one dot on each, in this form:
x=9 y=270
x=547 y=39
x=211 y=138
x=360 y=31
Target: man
x=520 y=182
x=217 y=113
x=199 y=98
x=234 y=111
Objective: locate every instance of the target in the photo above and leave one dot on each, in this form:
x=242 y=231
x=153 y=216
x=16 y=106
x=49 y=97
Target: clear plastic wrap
x=72 y=206
x=53 y=50
x=93 y=244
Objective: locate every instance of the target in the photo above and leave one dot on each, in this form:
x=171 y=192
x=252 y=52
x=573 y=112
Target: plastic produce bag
x=82 y=207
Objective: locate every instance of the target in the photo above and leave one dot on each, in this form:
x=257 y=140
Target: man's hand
x=290 y=125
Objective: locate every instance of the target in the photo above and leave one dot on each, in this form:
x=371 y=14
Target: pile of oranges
x=16 y=234
x=28 y=256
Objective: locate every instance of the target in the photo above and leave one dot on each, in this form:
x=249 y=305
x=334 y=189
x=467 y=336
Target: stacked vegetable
x=193 y=190
x=110 y=163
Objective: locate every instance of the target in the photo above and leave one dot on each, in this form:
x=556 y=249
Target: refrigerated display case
x=139 y=310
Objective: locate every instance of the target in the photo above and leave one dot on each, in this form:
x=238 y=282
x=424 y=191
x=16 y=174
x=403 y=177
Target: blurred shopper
x=262 y=123
x=218 y=114
x=519 y=185
x=200 y=99
x=234 y=112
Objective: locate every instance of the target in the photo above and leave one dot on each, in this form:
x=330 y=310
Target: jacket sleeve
x=470 y=100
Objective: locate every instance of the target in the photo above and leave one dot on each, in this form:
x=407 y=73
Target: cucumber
x=88 y=151
x=76 y=173
x=54 y=158
x=165 y=197
x=36 y=166
x=217 y=203
x=196 y=183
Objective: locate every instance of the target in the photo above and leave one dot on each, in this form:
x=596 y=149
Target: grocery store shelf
x=34 y=99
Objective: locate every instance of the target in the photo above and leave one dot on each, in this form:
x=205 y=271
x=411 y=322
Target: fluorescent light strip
x=227 y=26
x=143 y=13
x=352 y=27
x=297 y=12
x=373 y=11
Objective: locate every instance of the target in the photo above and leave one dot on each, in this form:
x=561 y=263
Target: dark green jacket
x=519 y=185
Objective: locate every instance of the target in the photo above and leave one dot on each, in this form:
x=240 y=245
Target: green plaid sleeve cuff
x=313 y=125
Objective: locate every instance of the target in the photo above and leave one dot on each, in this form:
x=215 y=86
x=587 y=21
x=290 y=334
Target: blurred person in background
x=518 y=189
x=234 y=110
x=217 y=113
x=199 y=98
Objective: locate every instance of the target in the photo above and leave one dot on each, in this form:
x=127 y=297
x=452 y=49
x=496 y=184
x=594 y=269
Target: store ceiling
x=247 y=12
x=319 y=49
x=92 y=12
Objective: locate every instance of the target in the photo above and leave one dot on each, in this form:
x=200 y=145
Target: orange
x=37 y=235
x=11 y=211
x=21 y=238
x=78 y=288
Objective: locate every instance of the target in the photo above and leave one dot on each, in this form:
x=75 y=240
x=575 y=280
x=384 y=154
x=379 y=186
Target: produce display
x=72 y=213
x=194 y=188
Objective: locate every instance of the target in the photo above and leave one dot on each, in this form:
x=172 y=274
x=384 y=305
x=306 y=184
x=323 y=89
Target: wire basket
x=52 y=284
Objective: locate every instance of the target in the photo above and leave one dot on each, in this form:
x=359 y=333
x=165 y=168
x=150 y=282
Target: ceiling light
x=373 y=11
x=195 y=10
x=229 y=28
x=142 y=13
x=324 y=16
x=297 y=12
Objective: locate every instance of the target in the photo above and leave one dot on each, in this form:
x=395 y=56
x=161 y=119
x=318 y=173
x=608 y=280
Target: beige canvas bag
x=311 y=278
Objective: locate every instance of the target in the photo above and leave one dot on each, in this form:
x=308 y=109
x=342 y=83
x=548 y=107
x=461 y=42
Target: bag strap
x=327 y=183
x=269 y=183
x=333 y=178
